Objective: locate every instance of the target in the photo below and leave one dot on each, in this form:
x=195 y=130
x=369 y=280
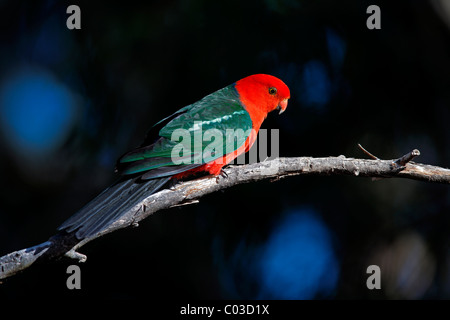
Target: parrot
x=151 y=166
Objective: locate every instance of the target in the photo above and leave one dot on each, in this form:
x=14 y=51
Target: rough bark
x=189 y=192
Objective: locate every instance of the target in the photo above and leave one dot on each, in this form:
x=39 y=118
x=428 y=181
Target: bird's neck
x=256 y=114
x=257 y=107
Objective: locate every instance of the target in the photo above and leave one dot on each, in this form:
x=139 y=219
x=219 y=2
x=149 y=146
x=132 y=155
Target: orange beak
x=282 y=105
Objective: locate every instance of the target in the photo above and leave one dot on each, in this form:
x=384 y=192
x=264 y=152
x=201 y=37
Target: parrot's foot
x=222 y=174
x=172 y=183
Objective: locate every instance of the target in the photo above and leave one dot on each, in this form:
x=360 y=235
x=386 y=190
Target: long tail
x=110 y=205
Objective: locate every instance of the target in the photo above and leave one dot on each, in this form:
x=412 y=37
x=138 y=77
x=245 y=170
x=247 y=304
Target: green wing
x=194 y=135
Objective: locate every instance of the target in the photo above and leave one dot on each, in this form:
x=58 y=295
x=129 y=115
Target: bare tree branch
x=188 y=192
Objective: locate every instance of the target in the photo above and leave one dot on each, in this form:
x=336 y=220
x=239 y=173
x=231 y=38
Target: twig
x=402 y=161
x=368 y=153
x=188 y=192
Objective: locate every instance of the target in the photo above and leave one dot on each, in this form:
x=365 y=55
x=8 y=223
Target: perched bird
x=179 y=147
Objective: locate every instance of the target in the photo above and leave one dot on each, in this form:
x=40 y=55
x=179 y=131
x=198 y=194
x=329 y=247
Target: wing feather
x=205 y=131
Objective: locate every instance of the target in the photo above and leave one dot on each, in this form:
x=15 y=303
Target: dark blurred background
x=72 y=101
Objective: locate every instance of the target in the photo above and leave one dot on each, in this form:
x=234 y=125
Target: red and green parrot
x=242 y=105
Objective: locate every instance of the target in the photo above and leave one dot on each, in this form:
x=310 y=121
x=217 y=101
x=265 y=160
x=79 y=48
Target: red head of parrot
x=261 y=94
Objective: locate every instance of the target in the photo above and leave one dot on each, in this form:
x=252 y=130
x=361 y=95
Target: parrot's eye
x=272 y=91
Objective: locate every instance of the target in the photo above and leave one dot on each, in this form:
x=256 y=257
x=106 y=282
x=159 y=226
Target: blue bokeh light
x=36 y=111
x=337 y=49
x=298 y=260
x=315 y=85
